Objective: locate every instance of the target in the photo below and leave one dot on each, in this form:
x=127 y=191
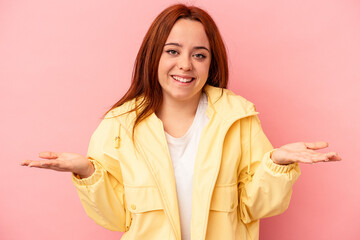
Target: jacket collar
x=222 y=102
x=226 y=104
x=224 y=108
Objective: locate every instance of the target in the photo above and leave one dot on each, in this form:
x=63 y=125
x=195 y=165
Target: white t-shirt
x=183 y=152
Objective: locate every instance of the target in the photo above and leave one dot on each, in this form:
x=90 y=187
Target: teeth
x=180 y=79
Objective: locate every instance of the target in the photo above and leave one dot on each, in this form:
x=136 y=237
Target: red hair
x=145 y=74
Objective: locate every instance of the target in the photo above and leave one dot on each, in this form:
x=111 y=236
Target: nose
x=185 y=63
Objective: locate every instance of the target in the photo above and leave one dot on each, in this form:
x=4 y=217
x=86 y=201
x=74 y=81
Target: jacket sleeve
x=102 y=194
x=265 y=188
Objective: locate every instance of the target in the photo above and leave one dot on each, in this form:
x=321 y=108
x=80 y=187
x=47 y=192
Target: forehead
x=188 y=32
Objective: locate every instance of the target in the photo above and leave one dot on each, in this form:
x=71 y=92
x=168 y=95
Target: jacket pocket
x=225 y=198
x=223 y=221
x=147 y=213
x=142 y=199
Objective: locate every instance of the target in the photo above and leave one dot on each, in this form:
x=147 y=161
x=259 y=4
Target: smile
x=182 y=79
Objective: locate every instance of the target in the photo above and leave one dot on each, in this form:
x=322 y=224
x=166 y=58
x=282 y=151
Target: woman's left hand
x=303 y=152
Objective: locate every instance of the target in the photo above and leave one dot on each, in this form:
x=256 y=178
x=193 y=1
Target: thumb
x=316 y=145
x=49 y=155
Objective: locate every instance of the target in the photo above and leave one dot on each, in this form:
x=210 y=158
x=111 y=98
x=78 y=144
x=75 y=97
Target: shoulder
x=227 y=102
x=124 y=115
x=120 y=110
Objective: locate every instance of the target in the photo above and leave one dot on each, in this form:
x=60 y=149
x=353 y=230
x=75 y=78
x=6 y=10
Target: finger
x=38 y=164
x=46 y=164
x=49 y=155
x=330 y=156
x=25 y=162
x=333 y=156
x=311 y=157
x=320 y=157
x=50 y=164
x=316 y=145
x=314 y=157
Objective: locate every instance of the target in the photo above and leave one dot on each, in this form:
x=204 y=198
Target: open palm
x=63 y=161
x=303 y=152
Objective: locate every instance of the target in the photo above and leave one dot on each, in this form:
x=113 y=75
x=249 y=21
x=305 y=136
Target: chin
x=180 y=97
x=183 y=96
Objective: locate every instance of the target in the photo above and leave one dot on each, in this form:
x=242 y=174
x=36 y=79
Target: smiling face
x=185 y=61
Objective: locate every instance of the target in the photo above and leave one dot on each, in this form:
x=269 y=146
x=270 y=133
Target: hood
x=222 y=102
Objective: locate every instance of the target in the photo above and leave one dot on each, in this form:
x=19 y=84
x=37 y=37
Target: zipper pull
x=117 y=142
x=250 y=174
x=117 y=138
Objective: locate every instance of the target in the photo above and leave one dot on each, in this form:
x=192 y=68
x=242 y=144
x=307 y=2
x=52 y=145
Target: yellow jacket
x=235 y=183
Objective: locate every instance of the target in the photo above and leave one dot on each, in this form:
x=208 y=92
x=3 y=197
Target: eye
x=172 y=52
x=200 y=56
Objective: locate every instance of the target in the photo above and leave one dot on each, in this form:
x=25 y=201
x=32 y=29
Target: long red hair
x=145 y=74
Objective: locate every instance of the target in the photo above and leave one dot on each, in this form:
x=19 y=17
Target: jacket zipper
x=166 y=207
x=231 y=122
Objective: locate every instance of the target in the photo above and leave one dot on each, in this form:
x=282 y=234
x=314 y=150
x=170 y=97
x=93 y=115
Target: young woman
x=180 y=156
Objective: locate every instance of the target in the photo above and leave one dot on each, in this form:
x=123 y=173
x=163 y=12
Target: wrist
x=274 y=158
x=271 y=155
x=88 y=171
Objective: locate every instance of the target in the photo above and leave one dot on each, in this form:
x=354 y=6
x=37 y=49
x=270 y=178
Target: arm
x=102 y=193
x=97 y=177
x=264 y=187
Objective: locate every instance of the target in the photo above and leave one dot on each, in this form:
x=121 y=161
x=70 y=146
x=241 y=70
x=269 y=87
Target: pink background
x=64 y=63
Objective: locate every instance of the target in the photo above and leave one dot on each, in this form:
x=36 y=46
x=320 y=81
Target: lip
x=183 y=76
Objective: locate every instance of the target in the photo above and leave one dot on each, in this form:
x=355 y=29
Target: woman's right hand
x=64 y=162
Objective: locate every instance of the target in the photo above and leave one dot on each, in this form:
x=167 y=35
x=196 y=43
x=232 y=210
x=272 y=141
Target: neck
x=178 y=110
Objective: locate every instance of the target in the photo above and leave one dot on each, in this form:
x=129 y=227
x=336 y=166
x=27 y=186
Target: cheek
x=204 y=69
x=165 y=65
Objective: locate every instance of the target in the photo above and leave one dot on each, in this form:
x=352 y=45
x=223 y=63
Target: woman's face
x=185 y=61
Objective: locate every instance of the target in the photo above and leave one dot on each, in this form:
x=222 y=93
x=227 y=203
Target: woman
x=180 y=156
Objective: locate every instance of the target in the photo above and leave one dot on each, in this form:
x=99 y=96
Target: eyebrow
x=179 y=45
